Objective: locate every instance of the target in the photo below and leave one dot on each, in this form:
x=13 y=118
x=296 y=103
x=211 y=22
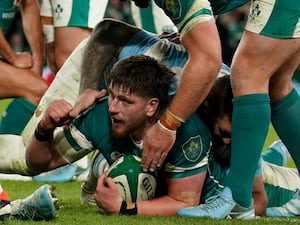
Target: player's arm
x=198 y=75
x=41 y=152
x=108 y=37
x=182 y=192
x=20 y=60
x=33 y=31
x=6 y=52
x=259 y=196
x=48 y=33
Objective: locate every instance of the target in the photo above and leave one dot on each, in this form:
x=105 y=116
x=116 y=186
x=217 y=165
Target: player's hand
x=107 y=195
x=56 y=115
x=173 y=37
x=23 y=60
x=37 y=66
x=157 y=143
x=85 y=100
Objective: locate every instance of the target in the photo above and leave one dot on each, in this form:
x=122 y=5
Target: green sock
x=286 y=122
x=250 y=124
x=16 y=116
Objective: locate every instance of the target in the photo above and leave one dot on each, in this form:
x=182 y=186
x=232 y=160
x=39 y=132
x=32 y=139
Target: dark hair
x=144 y=76
x=218 y=102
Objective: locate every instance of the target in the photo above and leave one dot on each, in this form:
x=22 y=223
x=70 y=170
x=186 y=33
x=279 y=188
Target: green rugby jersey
x=186 y=14
x=223 y=6
x=188 y=156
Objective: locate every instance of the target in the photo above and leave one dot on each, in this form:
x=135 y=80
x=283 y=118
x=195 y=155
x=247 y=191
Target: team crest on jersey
x=58 y=10
x=254 y=12
x=192 y=149
x=173 y=9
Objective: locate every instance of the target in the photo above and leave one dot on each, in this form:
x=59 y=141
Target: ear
x=152 y=106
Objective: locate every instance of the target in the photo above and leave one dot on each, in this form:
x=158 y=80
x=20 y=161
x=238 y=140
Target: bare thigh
x=257 y=59
x=16 y=82
x=66 y=40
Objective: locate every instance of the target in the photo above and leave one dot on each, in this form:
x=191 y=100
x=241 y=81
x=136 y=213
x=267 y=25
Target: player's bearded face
x=123 y=126
x=127 y=113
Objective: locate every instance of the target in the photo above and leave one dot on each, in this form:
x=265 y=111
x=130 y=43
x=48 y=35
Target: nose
x=113 y=105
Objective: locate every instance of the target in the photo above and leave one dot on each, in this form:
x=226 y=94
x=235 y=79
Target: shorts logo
x=192 y=149
x=254 y=12
x=58 y=10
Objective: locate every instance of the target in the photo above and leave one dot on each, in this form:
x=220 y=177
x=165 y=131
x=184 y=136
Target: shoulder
x=90 y=114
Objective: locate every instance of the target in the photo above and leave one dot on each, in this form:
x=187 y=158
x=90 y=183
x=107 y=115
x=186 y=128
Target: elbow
x=209 y=64
x=36 y=164
x=105 y=29
x=214 y=66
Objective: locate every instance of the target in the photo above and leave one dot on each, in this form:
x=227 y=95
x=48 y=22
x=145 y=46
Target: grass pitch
x=3 y=104
x=72 y=213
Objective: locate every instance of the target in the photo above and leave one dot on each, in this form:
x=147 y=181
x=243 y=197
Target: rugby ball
x=133 y=183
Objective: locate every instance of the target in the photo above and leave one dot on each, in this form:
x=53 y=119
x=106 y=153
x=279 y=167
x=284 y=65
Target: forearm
x=41 y=152
x=200 y=72
x=260 y=204
x=6 y=52
x=105 y=42
x=33 y=31
x=93 y=66
x=259 y=196
x=164 y=206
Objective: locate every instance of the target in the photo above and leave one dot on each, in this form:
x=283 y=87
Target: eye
x=124 y=100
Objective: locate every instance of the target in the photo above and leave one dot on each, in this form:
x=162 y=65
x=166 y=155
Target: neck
x=138 y=134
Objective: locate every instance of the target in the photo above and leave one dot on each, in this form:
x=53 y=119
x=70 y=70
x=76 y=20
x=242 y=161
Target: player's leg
x=73 y=22
x=27 y=88
x=66 y=39
x=16 y=116
x=289 y=209
x=5 y=206
x=65 y=85
x=251 y=115
x=286 y=105
x=16 y=82
x=282 y=186
x=264 y=50
x=12 y=155
x=260 y=55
